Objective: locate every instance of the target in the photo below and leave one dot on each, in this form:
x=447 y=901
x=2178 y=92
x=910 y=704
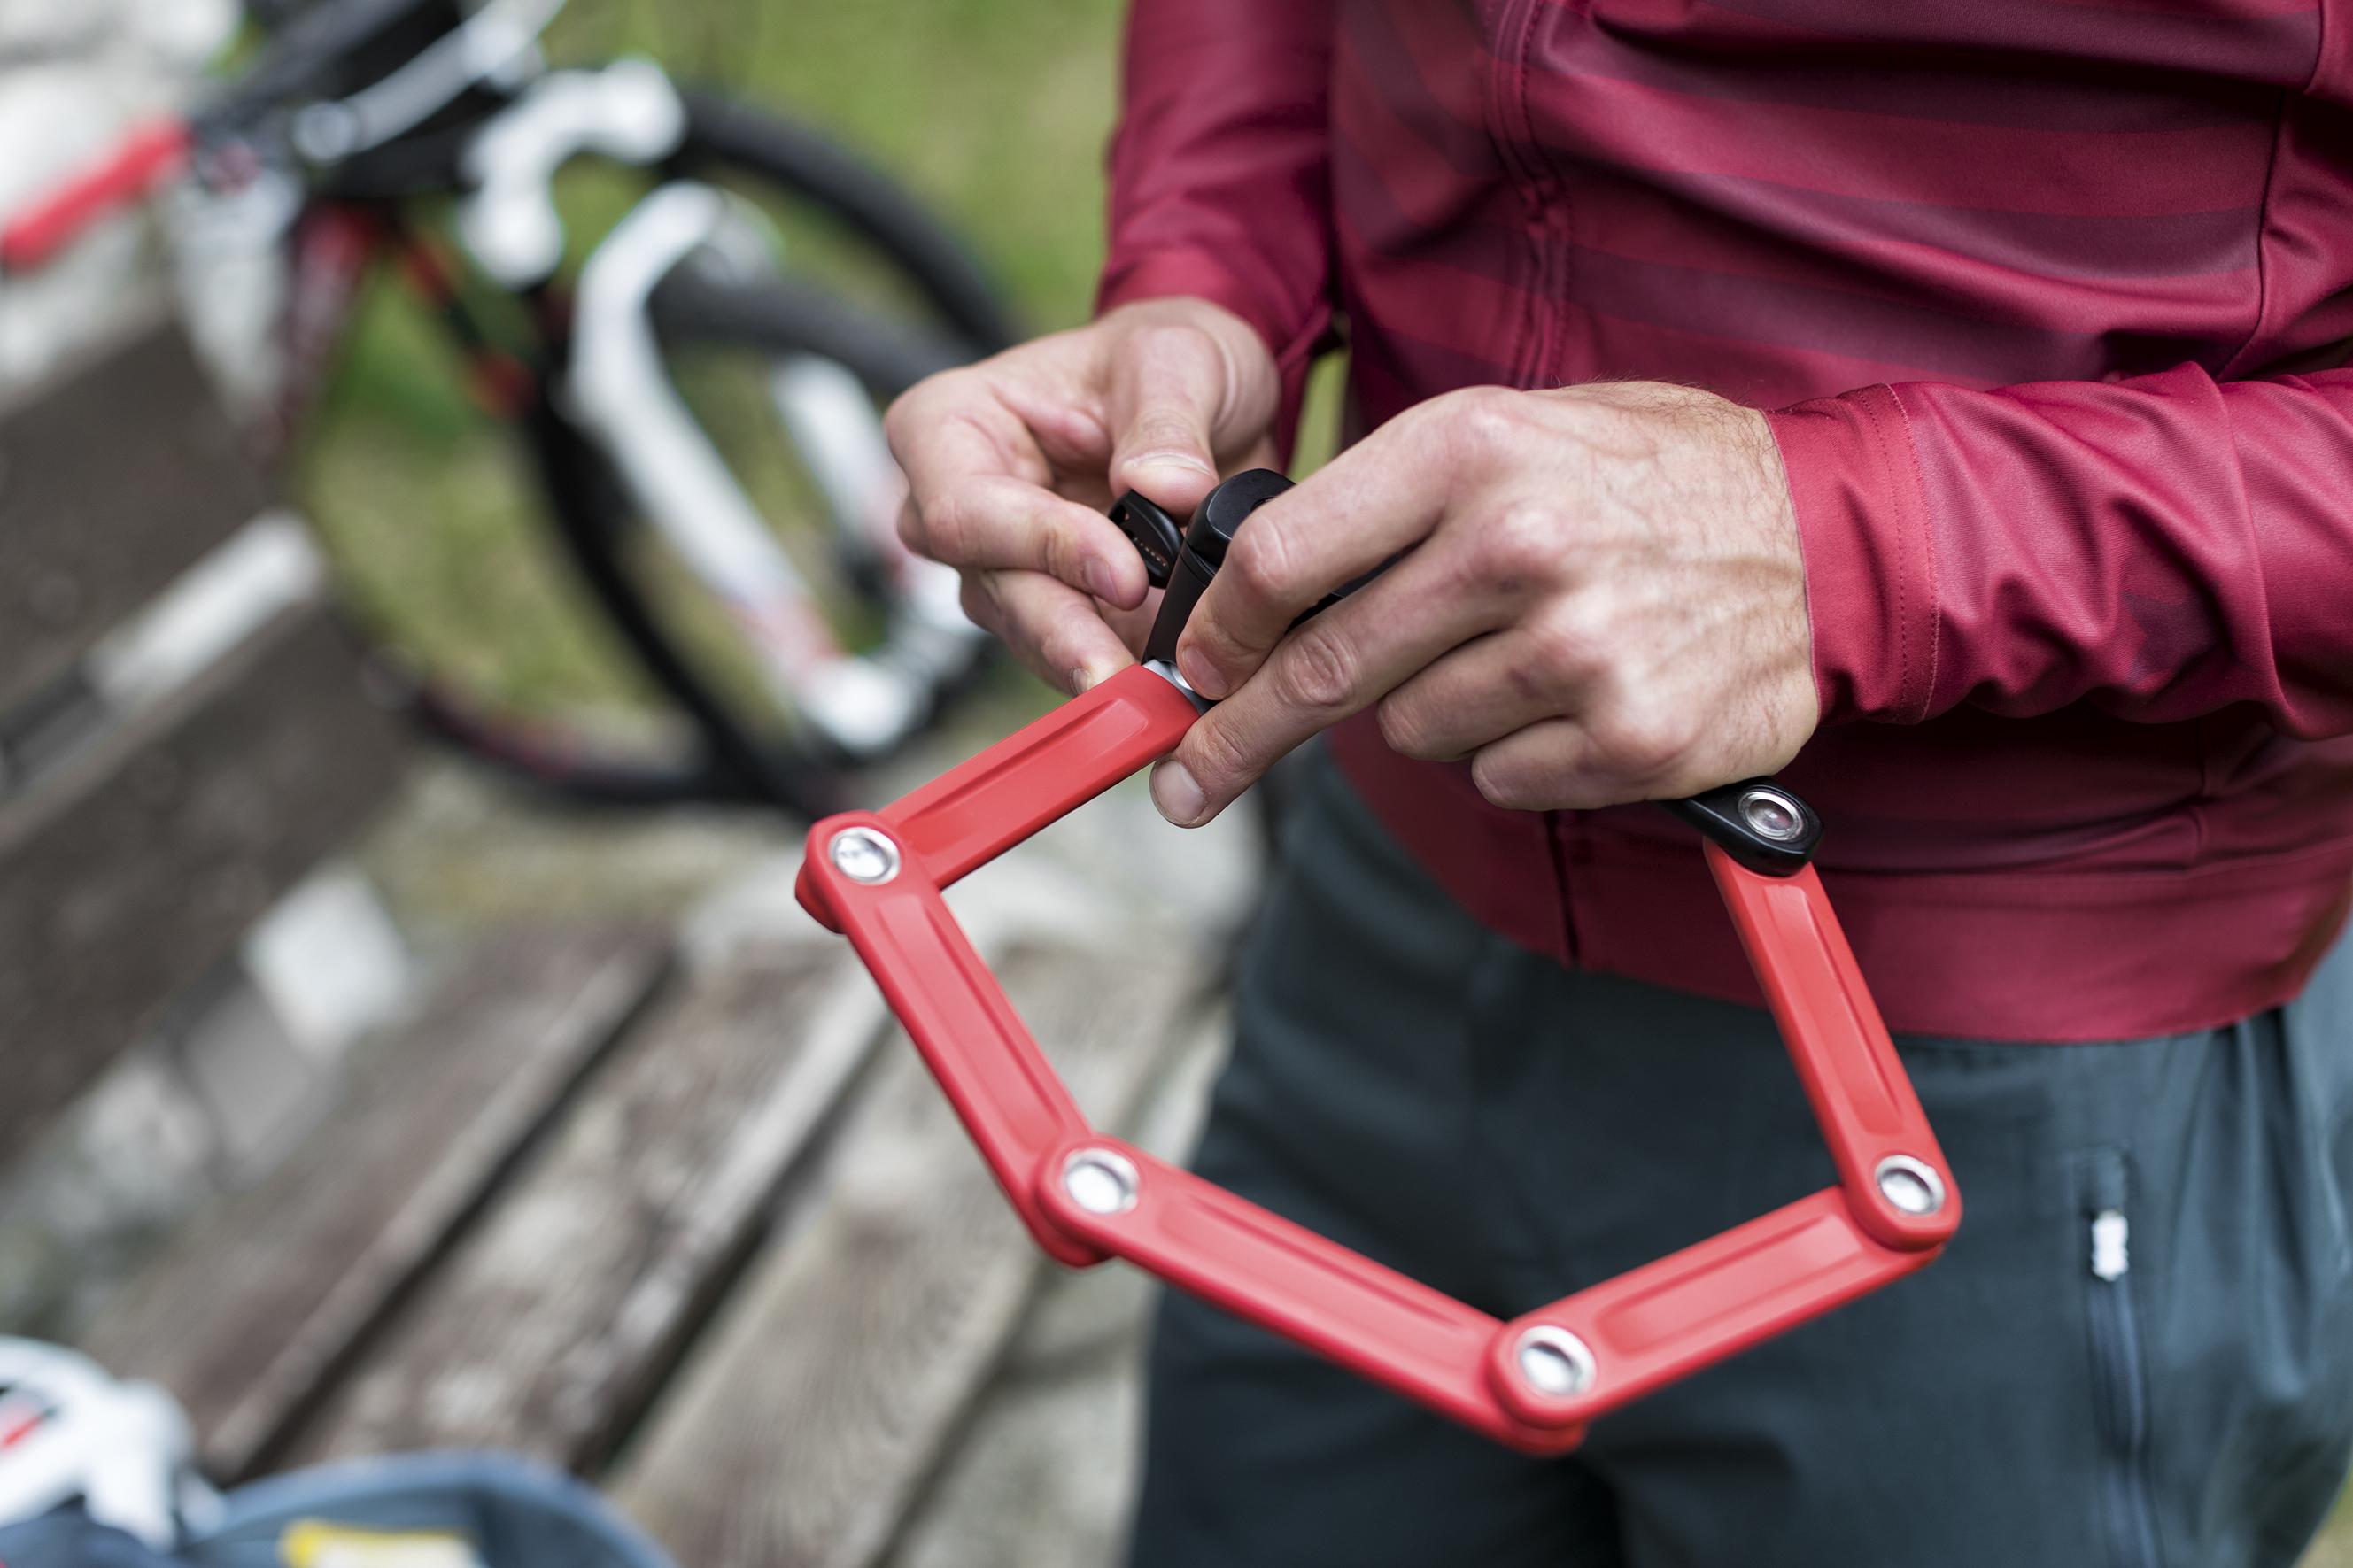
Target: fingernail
x=1195 y=668
x=1081 y=680
x=1101 y=583
x=1175 y=792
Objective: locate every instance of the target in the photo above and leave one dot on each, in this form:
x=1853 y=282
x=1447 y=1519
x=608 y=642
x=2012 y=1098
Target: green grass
x=993 y=111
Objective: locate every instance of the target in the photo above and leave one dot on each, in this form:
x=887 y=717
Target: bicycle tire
x=736 y=765
x=778 y=316
x=725 y=136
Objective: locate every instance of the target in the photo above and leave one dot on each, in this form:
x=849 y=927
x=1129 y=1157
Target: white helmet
x=68 y=1432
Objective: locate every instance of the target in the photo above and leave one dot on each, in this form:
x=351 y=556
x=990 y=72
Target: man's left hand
x=1597 y=597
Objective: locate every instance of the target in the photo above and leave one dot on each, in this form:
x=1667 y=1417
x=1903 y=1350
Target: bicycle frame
x=605 y=350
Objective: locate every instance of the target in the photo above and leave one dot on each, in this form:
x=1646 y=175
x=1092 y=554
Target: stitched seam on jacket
x=1928 y=550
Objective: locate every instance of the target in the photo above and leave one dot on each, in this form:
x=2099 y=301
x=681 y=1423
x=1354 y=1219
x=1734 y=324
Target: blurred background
x=376 y=1093
x=410 y=1038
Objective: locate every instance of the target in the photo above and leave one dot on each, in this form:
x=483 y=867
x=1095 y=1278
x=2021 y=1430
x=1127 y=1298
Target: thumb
x=1167 y=389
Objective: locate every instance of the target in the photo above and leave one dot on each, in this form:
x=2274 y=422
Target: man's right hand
x=1011 y=463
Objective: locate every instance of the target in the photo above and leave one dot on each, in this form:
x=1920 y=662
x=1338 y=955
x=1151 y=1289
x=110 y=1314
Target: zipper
x=2119 y=1374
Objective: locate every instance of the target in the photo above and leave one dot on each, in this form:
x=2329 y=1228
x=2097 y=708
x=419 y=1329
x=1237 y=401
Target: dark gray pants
x=1507 y=1131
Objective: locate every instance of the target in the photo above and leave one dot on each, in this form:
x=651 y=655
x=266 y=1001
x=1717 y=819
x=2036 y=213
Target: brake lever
x=1760 y=824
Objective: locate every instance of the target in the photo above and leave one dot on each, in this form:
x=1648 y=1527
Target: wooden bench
x=184 y=738
x=701 y=1227
x=681 y=1213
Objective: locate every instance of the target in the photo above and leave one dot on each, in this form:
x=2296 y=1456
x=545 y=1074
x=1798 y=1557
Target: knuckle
x=1161 y=429
x=1167 y=344
x=1480 y=421
x=1057 y=552
x=1568 y=646
x=1216 y=758
x=1520 y=546
x=944 y=522
x=1504 y=784
x=1405 y=730
x=1261 y=556
x=1063 y=633
x=911 y=531
x=1319 y=670
x=978 y=605
x=916 y=410
x=900 y=420
x=1640 y=741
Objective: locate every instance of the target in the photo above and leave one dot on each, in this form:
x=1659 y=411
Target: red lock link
x=1534 y=1381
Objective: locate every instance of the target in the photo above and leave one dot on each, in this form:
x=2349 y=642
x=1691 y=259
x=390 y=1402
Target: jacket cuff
x=1196 y=273
x=1871 y=573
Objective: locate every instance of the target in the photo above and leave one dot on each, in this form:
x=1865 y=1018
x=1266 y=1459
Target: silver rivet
x=864 y=856
x=1771 y=814
x=1554 y=1362
x=1101 y=1181
x=1910 y=1184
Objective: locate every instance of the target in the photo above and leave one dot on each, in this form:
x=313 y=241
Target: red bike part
x=153 y=153
x=1534 y=1381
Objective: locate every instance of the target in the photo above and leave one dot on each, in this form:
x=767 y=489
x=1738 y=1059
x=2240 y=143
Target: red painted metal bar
x=1004 y=1090
x=1667 y=1320
x=982 y=807
x=1857 y=1084
x=1534 y=1383
x=150 y=155
x=1343 y=1306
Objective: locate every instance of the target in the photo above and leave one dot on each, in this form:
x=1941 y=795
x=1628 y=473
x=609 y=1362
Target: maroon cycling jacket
x=2046 y=296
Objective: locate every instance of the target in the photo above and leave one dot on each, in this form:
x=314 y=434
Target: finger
x=1057 y=633
x=1562 y=764
x=1547 y=766
x=1167 y=392
x=1341 y=661
x=1482 y=692
x=1008 y=525
x=977 y=496
x=1372 y=501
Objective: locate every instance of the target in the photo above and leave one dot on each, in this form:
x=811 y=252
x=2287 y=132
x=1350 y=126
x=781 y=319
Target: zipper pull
x=2109 y=1255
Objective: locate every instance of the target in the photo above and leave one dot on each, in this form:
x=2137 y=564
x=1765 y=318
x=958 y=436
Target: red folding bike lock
x=1534 y=1382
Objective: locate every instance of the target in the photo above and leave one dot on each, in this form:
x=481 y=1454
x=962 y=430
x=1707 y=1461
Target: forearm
x=2162 y=547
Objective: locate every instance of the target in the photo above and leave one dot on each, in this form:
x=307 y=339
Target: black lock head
x=1223 y=509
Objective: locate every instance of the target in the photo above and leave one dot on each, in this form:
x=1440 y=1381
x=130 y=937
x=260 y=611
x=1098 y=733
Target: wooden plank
x=268 y=1293
x=138 y=862
x=113 y=477
x=801 y=1430
x=549 y=1328
x=1044 y=1472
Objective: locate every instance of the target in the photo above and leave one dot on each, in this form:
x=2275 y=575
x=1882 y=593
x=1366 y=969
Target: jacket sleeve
x=2163 y=547
x=1220 y=177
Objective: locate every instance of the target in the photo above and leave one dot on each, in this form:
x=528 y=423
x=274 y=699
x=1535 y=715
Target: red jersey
x=2045 y=298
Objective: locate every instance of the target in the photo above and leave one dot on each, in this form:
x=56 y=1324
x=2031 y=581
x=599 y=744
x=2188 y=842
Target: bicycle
x=361 y=119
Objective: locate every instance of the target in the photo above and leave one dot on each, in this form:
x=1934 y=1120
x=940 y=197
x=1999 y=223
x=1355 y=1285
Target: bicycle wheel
x=727 y=140
x=936 y=309
x=725 y=348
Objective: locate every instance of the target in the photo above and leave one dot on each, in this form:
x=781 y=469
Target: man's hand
x=1010 y=464
x=1599 y=599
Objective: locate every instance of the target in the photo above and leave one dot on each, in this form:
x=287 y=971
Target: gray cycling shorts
x=2180 y=1394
